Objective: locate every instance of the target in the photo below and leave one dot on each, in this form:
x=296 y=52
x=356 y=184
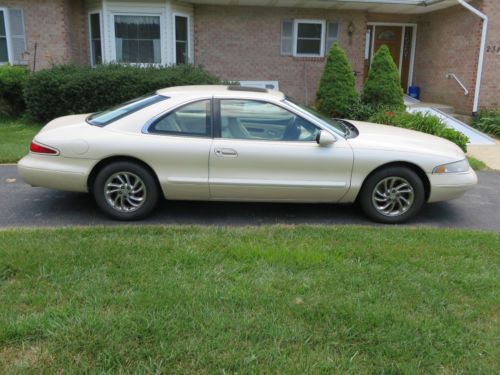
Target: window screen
x=181 y=40
x=137 y=39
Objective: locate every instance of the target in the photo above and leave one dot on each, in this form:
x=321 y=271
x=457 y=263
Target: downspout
x=481 y=53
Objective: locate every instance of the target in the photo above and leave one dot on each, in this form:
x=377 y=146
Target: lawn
x=279 y=299
x=15 y=138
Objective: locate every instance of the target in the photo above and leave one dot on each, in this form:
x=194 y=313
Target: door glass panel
x=190 y=120
x=256 y=120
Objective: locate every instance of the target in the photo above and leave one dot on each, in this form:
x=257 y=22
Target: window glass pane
x=309 y=30
x=115 y=113
x=181 y=52
x=249 y=119
x=95 y=26
x=4 y=56
x=190 y=120
x=181 y=28
x=2 y=24
x=308 y=47
x=137 y=39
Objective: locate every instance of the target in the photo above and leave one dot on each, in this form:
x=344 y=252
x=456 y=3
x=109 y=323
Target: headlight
x=456 y=167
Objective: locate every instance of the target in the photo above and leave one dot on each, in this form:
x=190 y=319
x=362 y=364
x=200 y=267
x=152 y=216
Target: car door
x=264 y=152
x=177 y=148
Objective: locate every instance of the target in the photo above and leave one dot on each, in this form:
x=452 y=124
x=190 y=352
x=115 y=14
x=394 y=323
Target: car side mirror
x=325 y=139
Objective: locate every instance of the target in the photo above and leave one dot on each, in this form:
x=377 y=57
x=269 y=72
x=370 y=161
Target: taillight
x=39 y=149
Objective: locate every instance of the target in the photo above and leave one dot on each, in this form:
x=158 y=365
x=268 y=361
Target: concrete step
x=442 y=107
x=464 y=118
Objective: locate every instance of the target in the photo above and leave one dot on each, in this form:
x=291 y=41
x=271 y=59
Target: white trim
x=101 y=27
x=112 y=15
x=322 y=41
x=6 y=20
x=390 y=24
x=174 y=32
x=412 y=58
x=400 y=66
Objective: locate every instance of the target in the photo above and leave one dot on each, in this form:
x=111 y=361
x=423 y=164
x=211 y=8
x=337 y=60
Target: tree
x=382 y=88
x=336 y=94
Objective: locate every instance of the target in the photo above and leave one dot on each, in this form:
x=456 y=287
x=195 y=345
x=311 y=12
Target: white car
x=235 y=143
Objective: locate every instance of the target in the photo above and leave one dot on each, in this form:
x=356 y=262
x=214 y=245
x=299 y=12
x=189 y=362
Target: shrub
x=488 y=121
x=382 y=86
x=70 y=89
x=362 y=111
x=421 y=122
x=336 y=93
x=12 y=79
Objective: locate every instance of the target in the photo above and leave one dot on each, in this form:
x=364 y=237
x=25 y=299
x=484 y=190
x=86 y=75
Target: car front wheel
x=392 y=195
x=125 y=191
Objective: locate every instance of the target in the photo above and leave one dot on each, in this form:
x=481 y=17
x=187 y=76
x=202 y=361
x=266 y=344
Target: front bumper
x=448 y=186
x=55 y=172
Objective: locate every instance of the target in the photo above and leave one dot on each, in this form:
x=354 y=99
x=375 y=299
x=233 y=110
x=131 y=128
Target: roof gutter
x=481 y=53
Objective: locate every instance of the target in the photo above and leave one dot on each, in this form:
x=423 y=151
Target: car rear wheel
x=125 y=191
x=392 y=195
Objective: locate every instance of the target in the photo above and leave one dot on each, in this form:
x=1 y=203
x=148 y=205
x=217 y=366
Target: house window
x=181 y=39
x=309 y=38
x=12 y=36
x=95 y=39
x=137 y=39
x=4 y=54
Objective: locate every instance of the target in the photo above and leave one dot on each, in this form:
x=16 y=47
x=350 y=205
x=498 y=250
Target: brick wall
x=448 y=42
x=490 y=83
x=58 y=28
x=243 y=43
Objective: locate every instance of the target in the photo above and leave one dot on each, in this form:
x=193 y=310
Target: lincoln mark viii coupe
x=234 y=143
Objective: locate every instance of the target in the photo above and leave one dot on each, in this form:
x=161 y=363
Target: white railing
x=453 y=75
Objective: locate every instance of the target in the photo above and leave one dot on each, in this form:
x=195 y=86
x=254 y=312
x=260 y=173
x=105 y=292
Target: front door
x=265 y=152
x=399 y=40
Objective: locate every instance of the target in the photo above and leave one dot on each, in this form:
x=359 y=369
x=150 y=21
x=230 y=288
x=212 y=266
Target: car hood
x=391 y=138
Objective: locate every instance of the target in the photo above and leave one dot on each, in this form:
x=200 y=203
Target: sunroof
x=246 y=88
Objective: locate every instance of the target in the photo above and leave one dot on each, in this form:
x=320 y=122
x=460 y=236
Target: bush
x=488 y=121
x=383 y=87
x=423 y=123
x=337 y=93
x=70 y=89
x=12 y=79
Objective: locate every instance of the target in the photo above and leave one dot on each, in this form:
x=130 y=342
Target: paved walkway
x=489 y=154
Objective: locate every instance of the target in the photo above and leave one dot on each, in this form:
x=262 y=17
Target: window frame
x=217 y=119
x=146 y=129
x=101 y=27
x=296 y=23
x=6 y=20
x=112 y=16
x=174 y=36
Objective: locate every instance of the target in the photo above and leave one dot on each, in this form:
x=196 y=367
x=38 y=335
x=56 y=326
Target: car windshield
x=105 y=117
x=331 y=123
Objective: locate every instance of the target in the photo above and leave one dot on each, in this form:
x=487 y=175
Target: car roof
x=221 y=91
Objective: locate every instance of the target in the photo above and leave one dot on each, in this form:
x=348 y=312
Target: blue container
x=414 y=92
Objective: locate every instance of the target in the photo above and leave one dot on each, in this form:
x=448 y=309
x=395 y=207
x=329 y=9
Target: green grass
x=15 y=138
x=476 y=164
x=281 y=299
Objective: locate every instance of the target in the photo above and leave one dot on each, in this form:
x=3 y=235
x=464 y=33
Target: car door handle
x=226 y=152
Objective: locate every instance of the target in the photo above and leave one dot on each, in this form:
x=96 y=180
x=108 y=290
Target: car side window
x=193 y=119
x=257 y=120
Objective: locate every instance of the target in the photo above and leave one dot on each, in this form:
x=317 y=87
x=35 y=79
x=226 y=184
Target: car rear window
x=109 y=115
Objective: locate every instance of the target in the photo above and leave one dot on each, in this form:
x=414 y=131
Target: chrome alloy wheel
x=393 y=196
x=125 y=191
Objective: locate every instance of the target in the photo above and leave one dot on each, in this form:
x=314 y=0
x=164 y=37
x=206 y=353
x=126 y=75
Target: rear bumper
x=55 y=172
x=450 y=186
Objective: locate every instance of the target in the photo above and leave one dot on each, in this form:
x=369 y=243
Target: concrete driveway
x=24 y=206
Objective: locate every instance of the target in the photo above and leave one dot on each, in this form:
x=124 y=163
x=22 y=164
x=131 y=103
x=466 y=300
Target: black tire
x=403 y=211
x=132 y=207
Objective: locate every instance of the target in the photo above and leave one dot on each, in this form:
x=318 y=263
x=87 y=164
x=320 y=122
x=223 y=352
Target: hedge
x=488 y=121
x=337 y=95
x=70 y=89
x=12 y=79
x=382 y=86
x=421 y=122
